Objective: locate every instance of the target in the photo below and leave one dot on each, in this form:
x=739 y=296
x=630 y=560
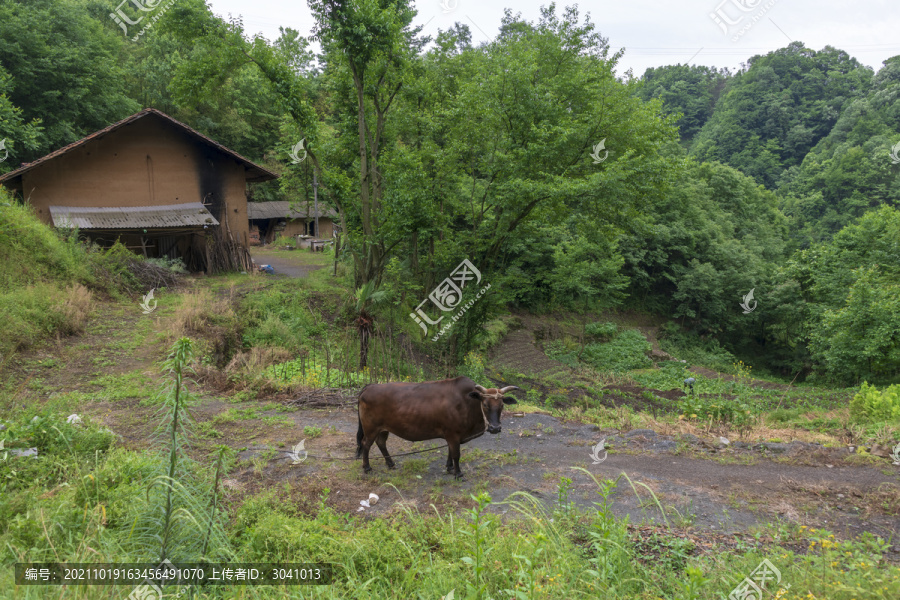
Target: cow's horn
x=480 y=388
x=508 y=388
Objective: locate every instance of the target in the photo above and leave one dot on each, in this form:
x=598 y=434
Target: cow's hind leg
x=454 y=455
x=381 y=440
x=366 y=445
x=449 y=461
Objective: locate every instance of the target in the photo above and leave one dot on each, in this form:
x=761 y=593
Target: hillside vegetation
x=43 y=279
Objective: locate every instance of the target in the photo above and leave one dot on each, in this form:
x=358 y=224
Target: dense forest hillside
x=817 y=127
x=568 y=185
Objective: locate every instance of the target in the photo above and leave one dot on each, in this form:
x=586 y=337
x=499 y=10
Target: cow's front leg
x=454 y=455
x=382 y=445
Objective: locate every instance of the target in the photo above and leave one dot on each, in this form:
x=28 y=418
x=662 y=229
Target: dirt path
x=535 y=450
x=652 y=335
x=287 y=263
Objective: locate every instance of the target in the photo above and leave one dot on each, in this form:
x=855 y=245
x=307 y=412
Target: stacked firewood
x=224 y=254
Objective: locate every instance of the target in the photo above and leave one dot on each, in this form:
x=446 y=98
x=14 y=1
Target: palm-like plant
x=366 y=297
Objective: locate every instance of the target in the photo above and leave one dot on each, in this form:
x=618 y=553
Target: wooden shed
x=151 y=182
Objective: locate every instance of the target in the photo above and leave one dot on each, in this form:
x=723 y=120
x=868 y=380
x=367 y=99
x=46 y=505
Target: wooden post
x=316 y=202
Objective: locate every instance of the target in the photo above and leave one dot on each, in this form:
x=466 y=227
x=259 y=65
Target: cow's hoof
x=459 y=476
x=391 y=466
x=367 y=469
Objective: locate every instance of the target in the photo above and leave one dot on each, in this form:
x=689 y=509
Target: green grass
x=236 y=414
x=206 y=430
x=312 y=432
x=134 y=384
x=48 y=279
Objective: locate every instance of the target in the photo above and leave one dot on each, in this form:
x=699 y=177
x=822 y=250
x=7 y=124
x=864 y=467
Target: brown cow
x=456 y=410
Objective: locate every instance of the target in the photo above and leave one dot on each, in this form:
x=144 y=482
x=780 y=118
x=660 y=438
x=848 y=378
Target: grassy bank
x=49 y=281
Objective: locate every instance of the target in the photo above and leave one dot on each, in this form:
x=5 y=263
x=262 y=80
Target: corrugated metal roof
x=282 y=210
x=167 y=216
x=255 y=172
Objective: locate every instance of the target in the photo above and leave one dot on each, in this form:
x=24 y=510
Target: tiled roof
x=282 y=210
x=168 y=216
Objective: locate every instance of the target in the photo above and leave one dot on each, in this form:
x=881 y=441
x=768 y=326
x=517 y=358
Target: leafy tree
x=861 y=339
x=849 y=289
x=15 y=133
x=493 y=162
x=66 y=67
x=373 y=41
x=514 y=139
x=701 y=248
x=691 y=91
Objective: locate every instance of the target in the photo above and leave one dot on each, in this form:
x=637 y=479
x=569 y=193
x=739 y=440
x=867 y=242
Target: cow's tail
x=359 y=436
x=359 y=431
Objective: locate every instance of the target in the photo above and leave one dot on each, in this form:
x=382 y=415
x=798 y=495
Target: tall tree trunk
x=364 y=335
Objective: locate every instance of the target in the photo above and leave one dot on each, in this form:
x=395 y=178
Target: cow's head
x=492 y=401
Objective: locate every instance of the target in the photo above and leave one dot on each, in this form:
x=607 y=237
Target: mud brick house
x=271 y=219
x=152 y=183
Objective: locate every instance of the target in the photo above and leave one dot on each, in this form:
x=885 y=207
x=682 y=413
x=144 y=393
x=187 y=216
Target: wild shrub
x=559 y=350
x=473 y=367
x=284 y=240
x=601 y=331
x=112 y=268
x=495 y=330
x=76 y=308
x=279 y=316
x=176 y=265
x=871 y=405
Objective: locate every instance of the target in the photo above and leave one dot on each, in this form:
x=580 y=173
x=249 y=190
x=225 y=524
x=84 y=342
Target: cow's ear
x=476 y=395
x=509 y=400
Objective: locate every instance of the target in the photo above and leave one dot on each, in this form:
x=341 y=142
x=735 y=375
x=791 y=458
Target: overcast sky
x=652 y=32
